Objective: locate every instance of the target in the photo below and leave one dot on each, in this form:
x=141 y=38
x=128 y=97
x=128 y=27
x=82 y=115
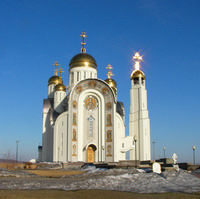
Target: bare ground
x=55 y=173
x=89 y=194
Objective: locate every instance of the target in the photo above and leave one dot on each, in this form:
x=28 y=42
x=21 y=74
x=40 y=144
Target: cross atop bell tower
x=83 y=35
x=137 y=59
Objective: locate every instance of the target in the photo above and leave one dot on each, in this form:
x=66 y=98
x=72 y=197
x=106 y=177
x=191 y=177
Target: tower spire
x=137 y=59
x=83 y=35
x=56 y=70
x=109 y=67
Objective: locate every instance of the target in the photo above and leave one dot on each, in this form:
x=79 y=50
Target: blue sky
x=36 y=33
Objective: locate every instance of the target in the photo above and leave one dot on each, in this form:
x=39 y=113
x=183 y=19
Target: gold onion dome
x=55 y=80
x=60 y=87
x=111 y=82
x=83 y=60
x=137 y=74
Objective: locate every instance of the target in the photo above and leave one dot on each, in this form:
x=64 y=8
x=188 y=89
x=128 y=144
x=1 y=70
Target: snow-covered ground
x=107 y=179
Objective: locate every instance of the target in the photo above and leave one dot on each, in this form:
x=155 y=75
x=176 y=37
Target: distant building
x=87 y=122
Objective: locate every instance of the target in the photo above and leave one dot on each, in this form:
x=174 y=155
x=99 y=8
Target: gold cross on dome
x=83 y=35
x=61 y=71
x=137 y=59
x=56 y=64
x=109 y=67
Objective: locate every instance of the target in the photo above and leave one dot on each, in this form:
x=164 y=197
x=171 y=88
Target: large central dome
x=83 y=60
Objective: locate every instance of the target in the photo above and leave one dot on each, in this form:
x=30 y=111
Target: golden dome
x=137 y=74
x=55 y=80
x=112 y=83
x=60 y=87
x=83 y=60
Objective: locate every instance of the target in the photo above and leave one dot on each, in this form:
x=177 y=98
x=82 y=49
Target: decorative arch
x=91 y=116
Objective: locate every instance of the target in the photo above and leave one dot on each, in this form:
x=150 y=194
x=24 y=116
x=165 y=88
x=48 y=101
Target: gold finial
x=61 y=71
x=109 y=67
x=137 y=59
x=83 y=35
x=56 y=71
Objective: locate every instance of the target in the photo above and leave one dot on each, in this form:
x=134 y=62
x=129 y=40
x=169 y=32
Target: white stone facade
x=87 y=123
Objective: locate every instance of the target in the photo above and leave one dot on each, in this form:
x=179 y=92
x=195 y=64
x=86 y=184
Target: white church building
x=85 y=122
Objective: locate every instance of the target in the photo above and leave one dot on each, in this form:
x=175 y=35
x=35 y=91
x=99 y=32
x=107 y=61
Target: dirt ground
x=89 y=194
x=11 y=166
x=54 y=173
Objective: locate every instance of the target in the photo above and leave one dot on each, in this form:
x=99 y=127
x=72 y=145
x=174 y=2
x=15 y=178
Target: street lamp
x=17 y=142
x=153 y=150
x=164 y=151
x=193 y=148
x=135 y=140
x=58 y=153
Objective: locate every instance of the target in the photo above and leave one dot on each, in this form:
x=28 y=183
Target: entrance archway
x=91 y=153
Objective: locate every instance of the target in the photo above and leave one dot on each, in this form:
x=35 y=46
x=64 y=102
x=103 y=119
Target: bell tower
x=139 y=124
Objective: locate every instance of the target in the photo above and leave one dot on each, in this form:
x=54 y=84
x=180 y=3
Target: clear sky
x=36 y=33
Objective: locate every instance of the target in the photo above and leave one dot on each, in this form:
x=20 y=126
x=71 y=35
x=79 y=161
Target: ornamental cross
x=137 y=59
x=109 y=67
x=56 y=71
x=61 y=71
x=83 y=35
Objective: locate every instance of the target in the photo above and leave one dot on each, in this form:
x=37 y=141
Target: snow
x=133 y=180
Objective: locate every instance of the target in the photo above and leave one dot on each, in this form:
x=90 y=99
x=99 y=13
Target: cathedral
x=85 y=122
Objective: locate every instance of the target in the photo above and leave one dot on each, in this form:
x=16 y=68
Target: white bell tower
x=139 y=124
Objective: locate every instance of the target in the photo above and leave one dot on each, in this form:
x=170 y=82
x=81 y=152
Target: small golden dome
x=137 y=74
x=112 y=83
x=55 y=80
x=83 y=60
x=60 y=87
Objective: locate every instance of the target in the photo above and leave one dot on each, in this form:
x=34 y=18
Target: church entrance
x=91 y=153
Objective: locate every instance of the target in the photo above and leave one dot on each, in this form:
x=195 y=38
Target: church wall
x=80 y=73
x=58 y=98
x=105 y=99
x=47 y=138
x=51 y=90
x=47 y=132
x=119 y=135
x=60 y=148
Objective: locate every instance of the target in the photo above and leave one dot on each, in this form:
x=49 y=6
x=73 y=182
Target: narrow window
x=77 y=76
x=91 y=119
x=72 y=78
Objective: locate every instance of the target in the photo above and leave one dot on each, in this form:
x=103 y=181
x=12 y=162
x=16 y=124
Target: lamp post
x=193 y=148
x=164 y=151
x=153 y=150
x=58 y=153
x=17 y=142
x=135 y=140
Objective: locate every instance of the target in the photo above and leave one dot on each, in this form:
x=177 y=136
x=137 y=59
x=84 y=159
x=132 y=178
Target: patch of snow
x=32 y=160
x=92 y=169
